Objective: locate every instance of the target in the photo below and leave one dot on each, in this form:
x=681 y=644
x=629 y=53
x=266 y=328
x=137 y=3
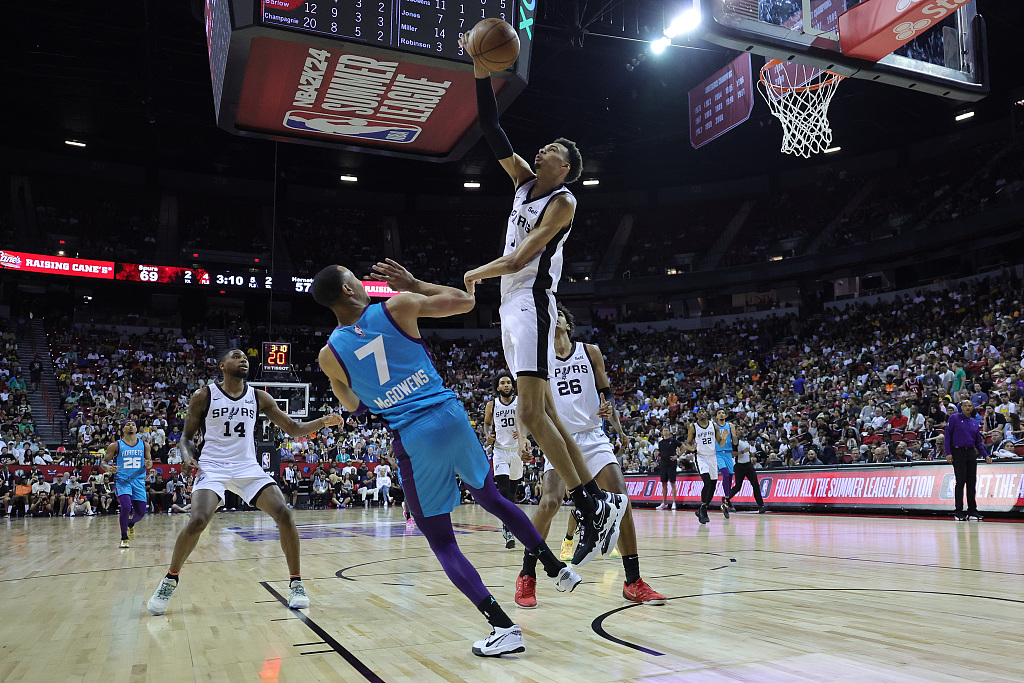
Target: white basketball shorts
x=506 y=461
x=707 y=464
x=528 y=332
x=246 y=479
x=596 y=448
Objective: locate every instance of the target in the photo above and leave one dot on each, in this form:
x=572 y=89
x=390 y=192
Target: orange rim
x=832 y=79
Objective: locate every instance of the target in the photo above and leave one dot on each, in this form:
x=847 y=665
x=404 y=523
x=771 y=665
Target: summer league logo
x=349 y=127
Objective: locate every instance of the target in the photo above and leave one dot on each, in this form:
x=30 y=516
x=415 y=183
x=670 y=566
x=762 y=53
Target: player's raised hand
x=332 y=420
x=395 y=274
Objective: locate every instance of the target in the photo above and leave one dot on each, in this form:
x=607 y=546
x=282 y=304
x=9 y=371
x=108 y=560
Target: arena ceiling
x=132 y=80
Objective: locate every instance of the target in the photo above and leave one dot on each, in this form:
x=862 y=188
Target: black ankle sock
x=172 y=577
x=594 y=490
x=568 y=537
x=631 y=563
x=584 y=502
x=529 y=564
x=496 y=616
x=552 y=565
x=292 y=578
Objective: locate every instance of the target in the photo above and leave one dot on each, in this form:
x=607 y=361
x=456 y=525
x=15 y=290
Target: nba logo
x=349 y=127
x=359 y=330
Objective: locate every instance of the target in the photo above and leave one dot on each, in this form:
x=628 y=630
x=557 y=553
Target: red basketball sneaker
x=638 y=591
x=526 y=592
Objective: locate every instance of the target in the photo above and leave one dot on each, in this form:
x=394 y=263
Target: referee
x=963 y=438
x=745 y=471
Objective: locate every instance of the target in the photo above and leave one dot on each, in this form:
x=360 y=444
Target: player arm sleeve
x=487 y=108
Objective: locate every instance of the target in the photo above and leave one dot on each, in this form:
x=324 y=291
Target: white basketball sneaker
x=297 y=598
x=162 y=597
x=567 y=580
x=502 y=641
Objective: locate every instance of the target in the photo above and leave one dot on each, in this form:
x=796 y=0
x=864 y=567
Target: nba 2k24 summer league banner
x=334 y=96
x=1000 y=488
x=721 y=102
x=56 y=265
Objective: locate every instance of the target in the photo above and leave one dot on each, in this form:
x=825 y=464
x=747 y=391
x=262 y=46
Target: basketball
x=495 y=43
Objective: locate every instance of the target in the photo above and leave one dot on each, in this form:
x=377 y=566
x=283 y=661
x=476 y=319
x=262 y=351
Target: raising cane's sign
x=334 y=96
x=56 y=265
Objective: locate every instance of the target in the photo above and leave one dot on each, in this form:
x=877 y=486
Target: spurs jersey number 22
x=545 y=269
x=230 y=427
x=504 y=417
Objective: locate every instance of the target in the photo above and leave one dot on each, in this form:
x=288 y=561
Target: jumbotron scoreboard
x=380 y=76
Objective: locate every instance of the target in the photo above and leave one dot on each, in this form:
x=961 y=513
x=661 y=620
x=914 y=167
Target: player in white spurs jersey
x=530 y=268
x=582 y=394
x=225 y=414
x=500 y=418
x=703 y=439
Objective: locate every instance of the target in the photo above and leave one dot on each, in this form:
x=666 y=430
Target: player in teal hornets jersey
x=377 y=362
x=724 y=451
x=133 y=459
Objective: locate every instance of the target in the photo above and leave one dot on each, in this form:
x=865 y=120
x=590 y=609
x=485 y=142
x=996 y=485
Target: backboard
x=291 y=397
x=947 y=59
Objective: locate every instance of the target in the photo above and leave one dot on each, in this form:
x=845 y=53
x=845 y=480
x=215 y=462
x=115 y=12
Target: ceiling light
x=592 y=181
x=471 y=185
x=833 y=150
x=658 y=46
x=684 y=23
x=963 y=116
x=348 y=178
x=60 y=253
x=74 y=143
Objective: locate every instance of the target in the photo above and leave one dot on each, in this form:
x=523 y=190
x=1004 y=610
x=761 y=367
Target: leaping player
x=582 y=394
x=377 y=362
x=134 y=459
x=530 y=268
x=500 y=418
x=225 y=415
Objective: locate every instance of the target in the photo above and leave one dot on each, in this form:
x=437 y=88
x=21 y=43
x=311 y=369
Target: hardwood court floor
x=756 y=598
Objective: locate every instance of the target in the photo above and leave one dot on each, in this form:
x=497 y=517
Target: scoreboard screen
x=428 y=27
x=138 y=272
x=277 y=356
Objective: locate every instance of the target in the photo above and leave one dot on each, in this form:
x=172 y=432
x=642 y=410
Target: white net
x=798 y=96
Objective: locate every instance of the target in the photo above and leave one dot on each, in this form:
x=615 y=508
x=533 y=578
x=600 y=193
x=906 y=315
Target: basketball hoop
x=798 y=96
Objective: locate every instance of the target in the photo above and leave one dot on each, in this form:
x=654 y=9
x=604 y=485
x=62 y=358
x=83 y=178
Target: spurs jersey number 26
x=575 y=391
x=230 y=427
x=545 y=269
x=504 y=417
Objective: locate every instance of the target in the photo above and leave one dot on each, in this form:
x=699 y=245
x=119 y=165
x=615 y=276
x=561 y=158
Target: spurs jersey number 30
x=545 y=269
x=575 y=390
x=230 y=428
x=504 y=417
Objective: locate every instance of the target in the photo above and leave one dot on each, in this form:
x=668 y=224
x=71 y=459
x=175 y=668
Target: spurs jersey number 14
x=230 y=428
x=504 y=417
x=575 y=390
x=545 y=269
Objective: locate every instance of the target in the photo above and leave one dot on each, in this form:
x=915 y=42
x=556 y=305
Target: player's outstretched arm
x=193 y=418
x=604 y=387
x=442 y=301
x=148 y=456
x=557 y=217
x=109 y=455
x=691 y=434
x=487 y=109
x=269 y=407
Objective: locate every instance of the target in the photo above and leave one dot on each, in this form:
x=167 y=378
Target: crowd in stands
x=105 y=376
x=223 y=224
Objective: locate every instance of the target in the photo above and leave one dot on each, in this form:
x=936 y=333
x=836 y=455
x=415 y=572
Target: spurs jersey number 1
x=230 y=427
x=545 y=269
x=504 y=417
x=575 y=391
